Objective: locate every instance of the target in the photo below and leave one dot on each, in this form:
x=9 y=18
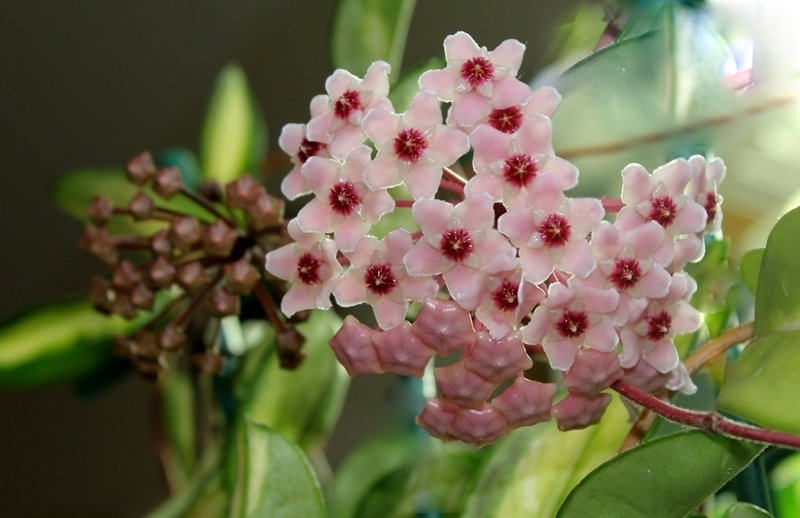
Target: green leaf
x=73 y=192
x=368 y=30
x=179 y=418
x=743 y=510
x=778 y=295
x=274 y=477
x=750 y=268
x=234 y=135
x=785 y=482
x=303 y=404
x=532 y=471
x=408 y=86
x=360 y=474
x=762 y=384
x=668 y=477
x=55 y=342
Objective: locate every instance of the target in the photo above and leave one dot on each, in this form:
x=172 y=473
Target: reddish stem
x=709 y=421
x=404 y=203
x=452 y=186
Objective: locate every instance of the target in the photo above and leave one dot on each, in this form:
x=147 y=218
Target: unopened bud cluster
x=182 y=268
x=504 y=264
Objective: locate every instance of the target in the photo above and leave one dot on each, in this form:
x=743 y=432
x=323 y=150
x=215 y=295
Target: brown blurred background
x=92 y=82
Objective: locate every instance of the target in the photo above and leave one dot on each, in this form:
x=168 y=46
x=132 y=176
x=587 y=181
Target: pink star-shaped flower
x=507 y=165
x=310 y=265
x=342 y=203
x=348 y=98
x=378 y=277
x=570 y=318
x=651 y=336
x=459 y=243
x=294 y=143
x=412 y=147
x=509 y=300
x=550 y=231
x=708 y=175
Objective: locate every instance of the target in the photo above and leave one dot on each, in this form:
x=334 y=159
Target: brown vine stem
x=709 y=421
x=714 y=348
x=699 y=359
x=661 y=135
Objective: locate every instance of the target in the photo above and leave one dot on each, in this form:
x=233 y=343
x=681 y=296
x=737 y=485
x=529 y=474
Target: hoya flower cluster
x=505 y=263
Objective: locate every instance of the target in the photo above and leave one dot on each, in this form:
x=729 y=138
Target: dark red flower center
x=658 y=325
x=505 y=297
x=344 y=198
x=626 y=273
x=712 y=206
x=507 y=120
x=456 y=244
x=572 y=323
x=308 y=268
x=309 y=148
x=663 y=210
x=409 y=145
x=349 y=102
x=554 y=230
x=380 y=279
x=519 y=169
x=477 y=71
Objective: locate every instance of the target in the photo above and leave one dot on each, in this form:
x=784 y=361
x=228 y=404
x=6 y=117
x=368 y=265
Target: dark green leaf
x=742 y=510
x=274 y=477
x=532 y=471
x=368 y=30
x=234 y=135
x=302 y=404
x=55 y=342
x=750 y=267
x=359 y=475
x=408 y=86
x=762 y=384
x=668 y=477
x=778 y=295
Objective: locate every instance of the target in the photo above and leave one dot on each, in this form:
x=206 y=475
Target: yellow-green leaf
x=55 y=342
x=234 y=136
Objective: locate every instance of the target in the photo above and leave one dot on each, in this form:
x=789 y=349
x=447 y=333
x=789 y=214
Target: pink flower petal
x=423 y=179
x=381 y=126
x=443 y=82
x=315 y=216
x=389 y=313
x=433 y=216
x=382 y=173
x=560 y=353
x=423 y=259
x=447 y=145
x=423 y=111
x=460 y=46
x=509 y=55
x=509 y=91
x=544 y=100
x=466 y=286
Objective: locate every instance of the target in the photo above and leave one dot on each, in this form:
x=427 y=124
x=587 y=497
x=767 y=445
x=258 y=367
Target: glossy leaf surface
x=762 y=384
x=751 y=267
x=778 y=295
x=274 y=478
x=666 y=477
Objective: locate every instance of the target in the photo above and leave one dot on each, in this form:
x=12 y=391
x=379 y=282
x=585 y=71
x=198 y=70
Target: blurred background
x=92 y=83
